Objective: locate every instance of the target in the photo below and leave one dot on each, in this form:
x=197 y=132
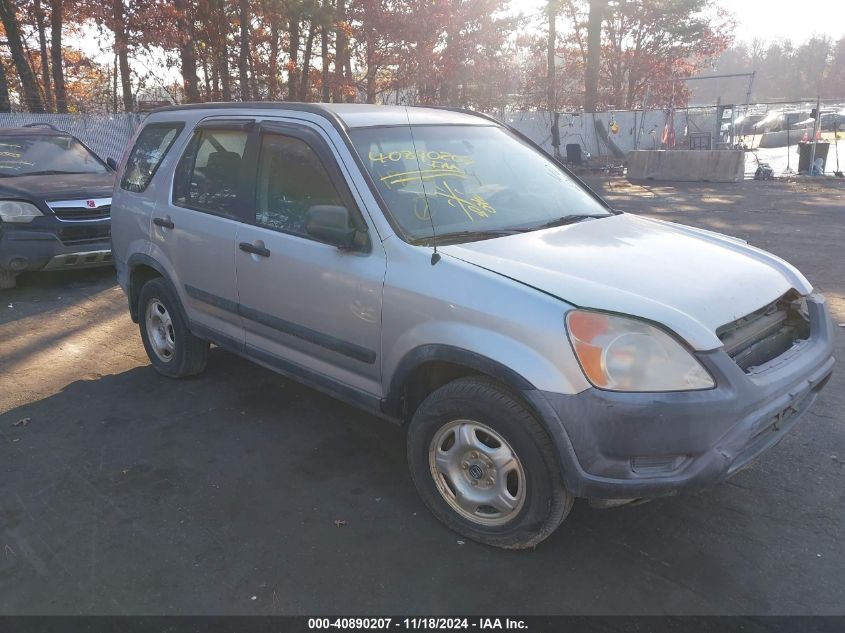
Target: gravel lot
x=129 y=493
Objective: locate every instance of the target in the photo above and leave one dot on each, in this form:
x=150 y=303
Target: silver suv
x=437 y=269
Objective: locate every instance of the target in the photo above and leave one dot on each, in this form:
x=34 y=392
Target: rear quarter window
x=152 y=145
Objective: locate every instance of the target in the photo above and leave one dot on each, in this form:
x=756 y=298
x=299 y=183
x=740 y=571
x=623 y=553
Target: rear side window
x=153 y=143
x=209 y=173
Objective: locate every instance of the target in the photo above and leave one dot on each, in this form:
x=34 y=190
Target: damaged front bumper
x=625 y=446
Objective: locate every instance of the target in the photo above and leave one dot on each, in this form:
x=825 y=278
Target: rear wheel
x=173 y=350
x=484 y=465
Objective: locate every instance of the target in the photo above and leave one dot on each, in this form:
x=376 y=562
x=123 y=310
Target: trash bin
x=804 y=150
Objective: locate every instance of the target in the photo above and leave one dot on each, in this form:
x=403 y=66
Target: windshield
x=42 y=154
x=470 y=181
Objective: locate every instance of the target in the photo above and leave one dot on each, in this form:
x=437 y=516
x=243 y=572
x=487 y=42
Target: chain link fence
x=772 y=132
x=107 y=135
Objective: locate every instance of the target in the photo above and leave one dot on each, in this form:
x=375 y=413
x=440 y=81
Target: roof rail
x=43 y=124
x=481 y=115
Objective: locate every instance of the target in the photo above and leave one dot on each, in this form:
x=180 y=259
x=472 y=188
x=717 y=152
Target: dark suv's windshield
x=471 y=182
x=46 y=154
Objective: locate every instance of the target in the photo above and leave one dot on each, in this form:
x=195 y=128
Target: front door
x=307 y=306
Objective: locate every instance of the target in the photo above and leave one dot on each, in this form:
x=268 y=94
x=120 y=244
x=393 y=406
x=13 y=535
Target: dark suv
x=55 y=203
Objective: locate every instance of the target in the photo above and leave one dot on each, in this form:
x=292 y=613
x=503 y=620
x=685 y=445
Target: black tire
x=189 y=354
x=545 y=502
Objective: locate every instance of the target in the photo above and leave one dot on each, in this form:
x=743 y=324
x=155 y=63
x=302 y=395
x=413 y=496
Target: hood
x=690 y=280
x=58 y=186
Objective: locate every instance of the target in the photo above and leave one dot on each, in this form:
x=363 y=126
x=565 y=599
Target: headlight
x=15 y=211
x=622 y=354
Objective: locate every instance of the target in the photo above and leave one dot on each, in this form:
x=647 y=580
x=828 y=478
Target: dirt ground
x=124 y=492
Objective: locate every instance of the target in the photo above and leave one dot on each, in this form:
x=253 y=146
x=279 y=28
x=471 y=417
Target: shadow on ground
x=133 y=493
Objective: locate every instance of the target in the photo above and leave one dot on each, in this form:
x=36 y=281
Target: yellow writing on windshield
x=424 y=157
x=446 y=171
x=429 y=165
x=474 y=207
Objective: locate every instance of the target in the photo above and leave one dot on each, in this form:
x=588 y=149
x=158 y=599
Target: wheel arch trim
x=142 y=259
x=422 y=354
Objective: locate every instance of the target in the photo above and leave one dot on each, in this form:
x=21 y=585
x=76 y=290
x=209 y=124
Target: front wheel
x=484 y=465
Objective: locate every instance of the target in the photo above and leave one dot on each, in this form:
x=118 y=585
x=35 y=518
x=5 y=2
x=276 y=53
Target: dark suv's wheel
x=172 y=349
x=484 y=466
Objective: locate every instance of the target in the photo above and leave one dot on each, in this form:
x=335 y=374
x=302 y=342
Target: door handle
x=255 y=250
x=164 y=222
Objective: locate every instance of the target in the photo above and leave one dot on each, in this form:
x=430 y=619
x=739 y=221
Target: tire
x=472 y=441
x=173 y=350
x=7 y=280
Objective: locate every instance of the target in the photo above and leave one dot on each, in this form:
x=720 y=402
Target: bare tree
x=56 y=57
x=306 y=63
x=29 y=85
x=551 y=51
x=5 y=105
x=121 y=45
x=243 y=57
x=591 y=73
x=187 y=55
x=38 y=10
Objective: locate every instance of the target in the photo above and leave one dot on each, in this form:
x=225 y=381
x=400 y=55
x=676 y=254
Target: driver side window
x=291 y=180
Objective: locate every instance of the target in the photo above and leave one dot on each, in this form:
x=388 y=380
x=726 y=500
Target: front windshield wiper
x=52 y=172
x=562 y=221
x=465 y=236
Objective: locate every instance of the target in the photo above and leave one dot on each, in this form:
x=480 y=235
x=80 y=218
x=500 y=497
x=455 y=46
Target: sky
x=765 y=19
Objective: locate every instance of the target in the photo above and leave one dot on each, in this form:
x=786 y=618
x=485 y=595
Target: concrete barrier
x=724 y=165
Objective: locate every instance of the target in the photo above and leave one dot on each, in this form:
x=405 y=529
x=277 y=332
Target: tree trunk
x=215 y=81
x=293 y=73
x=45 y=56
x=206 y=74
x=451 y=57
x=253 y=77
x=591 y=73
x=221 y=62
x=56 y=57
x=121 y=45
x=371 y=70
x=324 y=52
x=5 y=104
x=243 y=57
x=551 y=50
x=187 y=55
x=114 y=85
x=304 y=92
x=29 y=85
x=341 y=52
x=273 y=66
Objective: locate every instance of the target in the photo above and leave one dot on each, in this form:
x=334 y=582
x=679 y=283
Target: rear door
x=197 y=226
x=308 y=307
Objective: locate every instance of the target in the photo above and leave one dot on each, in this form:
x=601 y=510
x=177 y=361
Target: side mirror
x=111 y=162
x=332 y=224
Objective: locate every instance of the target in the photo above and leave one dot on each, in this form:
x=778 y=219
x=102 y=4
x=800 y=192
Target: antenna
x=435 y=256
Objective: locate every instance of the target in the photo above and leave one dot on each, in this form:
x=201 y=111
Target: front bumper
x=26 y=250
x=639 y=445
